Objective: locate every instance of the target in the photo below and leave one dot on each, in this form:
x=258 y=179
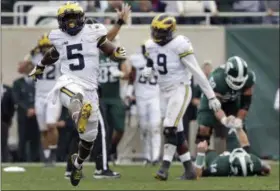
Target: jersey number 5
x=161 y=61
x=79 y=56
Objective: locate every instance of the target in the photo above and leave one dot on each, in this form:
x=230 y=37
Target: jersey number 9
x=78 y=56
x=161 y=61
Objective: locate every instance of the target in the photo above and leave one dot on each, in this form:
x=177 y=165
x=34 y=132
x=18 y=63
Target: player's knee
x=170 y=135
x=203 y=134
x=77 y=96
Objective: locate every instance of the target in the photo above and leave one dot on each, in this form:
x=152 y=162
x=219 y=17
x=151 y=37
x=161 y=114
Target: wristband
x=120 y=22
x=129 y=90
x=199 y=162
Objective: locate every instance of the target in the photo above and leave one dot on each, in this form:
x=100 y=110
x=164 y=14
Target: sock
x=186 y=161
x=47 y=153
x=156 y=144
x=247 y=148
x=168 y=153
x=115 y=141
x=78 y=163
x=53 y=152
x=146 y=144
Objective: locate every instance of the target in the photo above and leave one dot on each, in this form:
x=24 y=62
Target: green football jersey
x=110 y=86
x=219 y=85
x=219 y=165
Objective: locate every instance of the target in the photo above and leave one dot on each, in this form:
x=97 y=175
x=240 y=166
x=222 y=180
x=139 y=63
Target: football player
x=47 y=113
x=233 y=84
x=76 y=45
x=148 y=106
x=173 y=58
x=235 y=163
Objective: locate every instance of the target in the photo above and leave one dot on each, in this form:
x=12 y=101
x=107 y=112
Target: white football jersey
x=167 y=61
x=79 y=54
x=50 y=75
x=144 y=88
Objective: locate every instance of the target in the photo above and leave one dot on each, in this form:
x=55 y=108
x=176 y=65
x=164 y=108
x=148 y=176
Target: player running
x=77 y=46
x=148 y=107
x=235 y=163
x=233 y=84
x=173 y=58
x=47 y=114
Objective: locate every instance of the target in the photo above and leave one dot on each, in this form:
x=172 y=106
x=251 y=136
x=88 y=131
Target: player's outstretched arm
x=123 y=16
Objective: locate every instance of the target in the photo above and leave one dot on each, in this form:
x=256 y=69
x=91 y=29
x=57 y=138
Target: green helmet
x=236 y=70
x=240 y=162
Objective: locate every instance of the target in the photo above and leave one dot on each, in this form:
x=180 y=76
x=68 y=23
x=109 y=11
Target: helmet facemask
x=161 y=36
x=71 y=22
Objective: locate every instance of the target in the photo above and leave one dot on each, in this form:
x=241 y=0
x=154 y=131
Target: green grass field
x=133 y=178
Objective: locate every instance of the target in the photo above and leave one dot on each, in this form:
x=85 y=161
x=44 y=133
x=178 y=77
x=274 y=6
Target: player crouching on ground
x=76 y=46
x=235 y=163
x=233 y=84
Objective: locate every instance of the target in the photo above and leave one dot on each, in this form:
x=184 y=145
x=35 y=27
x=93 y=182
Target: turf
x=133 y=178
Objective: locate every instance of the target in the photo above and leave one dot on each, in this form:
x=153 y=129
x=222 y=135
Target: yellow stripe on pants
x=182 y=110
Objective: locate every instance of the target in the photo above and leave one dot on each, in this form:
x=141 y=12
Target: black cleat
x=161 y=175
x=76 y=174
x=106 y=174
x=189 y=175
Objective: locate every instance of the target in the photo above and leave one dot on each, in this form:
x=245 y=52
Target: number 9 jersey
x=167 y=61
x=79 y=54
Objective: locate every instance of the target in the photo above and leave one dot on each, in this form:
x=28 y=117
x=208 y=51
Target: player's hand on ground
x=115 y=72
x=202 y=146
x=214 y=104
x=37 y=72
x=124 y=13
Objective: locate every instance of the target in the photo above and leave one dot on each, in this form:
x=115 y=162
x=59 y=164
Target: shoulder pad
x=183 y=46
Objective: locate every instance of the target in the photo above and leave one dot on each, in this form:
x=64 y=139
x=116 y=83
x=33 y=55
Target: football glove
x=115 y=72
x=232 y=122
x=120 y=53
x=147 y=72
x=37 y=72
x=214 y=104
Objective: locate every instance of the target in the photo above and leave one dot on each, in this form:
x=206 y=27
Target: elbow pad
x=245 y=102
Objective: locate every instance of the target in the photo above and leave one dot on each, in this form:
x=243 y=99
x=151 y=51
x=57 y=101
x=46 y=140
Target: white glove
x=232 y=122
x=214 y=104
x=147 y=72
x=115 y=72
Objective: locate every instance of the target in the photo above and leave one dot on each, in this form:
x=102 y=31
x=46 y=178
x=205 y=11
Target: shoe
x=76 y=174
x=106 y=174
x=189 y=174
x=83 y=117
x=161 y=175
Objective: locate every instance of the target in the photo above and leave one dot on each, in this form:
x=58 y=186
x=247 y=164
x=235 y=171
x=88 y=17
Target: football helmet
x=71 y=18
x=240 y=162
x=162 y=28
x=236 y=70
x=44 y=43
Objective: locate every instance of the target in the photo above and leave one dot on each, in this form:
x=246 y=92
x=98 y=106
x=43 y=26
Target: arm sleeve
x=191 y=63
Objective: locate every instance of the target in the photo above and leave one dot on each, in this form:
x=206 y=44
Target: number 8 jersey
x=167 y=61
x=79 y=54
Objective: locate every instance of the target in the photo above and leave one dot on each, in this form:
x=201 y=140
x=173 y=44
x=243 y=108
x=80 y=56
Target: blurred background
x=218 y=29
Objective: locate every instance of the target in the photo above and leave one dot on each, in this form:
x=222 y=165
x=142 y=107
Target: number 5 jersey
x=79 y=54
